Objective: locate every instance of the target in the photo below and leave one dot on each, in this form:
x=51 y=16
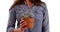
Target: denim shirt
x=41 y=23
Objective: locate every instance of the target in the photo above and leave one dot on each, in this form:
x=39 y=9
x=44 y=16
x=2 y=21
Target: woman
x=38 y=8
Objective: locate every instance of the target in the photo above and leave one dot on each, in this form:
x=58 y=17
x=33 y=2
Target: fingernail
x=22 y=20
x=20 y=24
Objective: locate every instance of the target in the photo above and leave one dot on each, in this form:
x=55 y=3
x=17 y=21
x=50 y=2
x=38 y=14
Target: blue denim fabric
x=41 y=23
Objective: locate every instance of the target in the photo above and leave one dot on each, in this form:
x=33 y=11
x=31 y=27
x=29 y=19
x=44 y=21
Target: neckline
x=27 y=5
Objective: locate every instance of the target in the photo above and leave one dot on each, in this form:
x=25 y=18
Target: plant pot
x=30 y=22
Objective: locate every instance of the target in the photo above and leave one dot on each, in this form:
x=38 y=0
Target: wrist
x=12 y=30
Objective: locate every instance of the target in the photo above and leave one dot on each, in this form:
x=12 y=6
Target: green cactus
x=27 y=14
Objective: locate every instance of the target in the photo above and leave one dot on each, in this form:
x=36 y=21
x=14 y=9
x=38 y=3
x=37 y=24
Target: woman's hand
x=22 y=27
x=19 y=30
x=16 y=30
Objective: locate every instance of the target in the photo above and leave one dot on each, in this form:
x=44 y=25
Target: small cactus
x=28 y=14
x=29 y=18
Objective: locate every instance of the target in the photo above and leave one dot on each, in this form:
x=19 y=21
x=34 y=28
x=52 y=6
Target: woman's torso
x=37 y=12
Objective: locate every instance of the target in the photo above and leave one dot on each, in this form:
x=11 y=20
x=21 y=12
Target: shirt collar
x=27 y=5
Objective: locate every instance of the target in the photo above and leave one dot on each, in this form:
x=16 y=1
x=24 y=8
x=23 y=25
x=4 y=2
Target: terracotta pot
x=30 y=22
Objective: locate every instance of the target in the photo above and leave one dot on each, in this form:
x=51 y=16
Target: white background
x=53 y=9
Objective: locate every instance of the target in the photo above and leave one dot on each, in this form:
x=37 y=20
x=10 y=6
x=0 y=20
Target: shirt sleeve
x=11 y=20
x=45 y=23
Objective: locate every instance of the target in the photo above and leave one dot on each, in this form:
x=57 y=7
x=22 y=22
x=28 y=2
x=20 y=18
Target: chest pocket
x=38 y=15
x=19 y=13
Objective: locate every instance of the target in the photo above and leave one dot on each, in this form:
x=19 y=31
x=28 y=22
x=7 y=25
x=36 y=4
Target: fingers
x=23 y=23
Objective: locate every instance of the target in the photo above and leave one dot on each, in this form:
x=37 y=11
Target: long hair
x=18 y=2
